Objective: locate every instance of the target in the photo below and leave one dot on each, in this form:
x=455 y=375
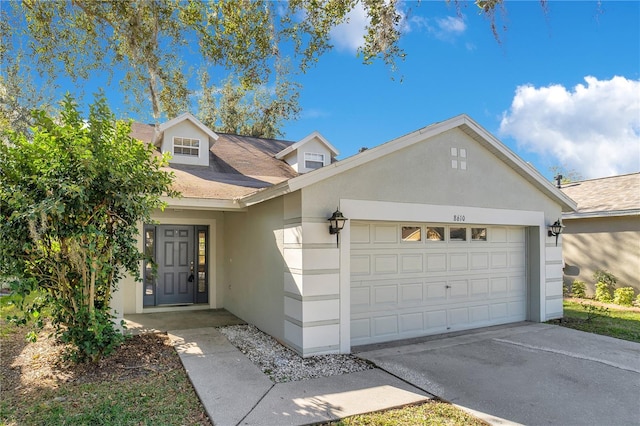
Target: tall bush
x=605 y=284
x=73 y=192
x=579 y=289
x=623 y=296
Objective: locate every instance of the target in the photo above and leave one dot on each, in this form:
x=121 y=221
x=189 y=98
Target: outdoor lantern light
x=555 y=230
x=336 y=223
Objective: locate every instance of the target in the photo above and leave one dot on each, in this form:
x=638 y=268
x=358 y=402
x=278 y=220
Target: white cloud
x=349 y=36
x=446 y=29
x=592 y=129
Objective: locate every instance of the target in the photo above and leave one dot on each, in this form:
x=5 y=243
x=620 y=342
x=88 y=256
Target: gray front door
x=175 y=258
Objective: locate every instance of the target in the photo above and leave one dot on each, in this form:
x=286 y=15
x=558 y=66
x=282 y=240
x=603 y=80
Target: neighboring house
x=604 y=232
x=446 y=231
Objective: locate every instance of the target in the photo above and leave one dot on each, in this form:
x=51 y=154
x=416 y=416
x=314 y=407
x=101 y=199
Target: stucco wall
x=128 y=299
x=254 y=265
x=422 y=175
x=611 y=243
x=186 y=129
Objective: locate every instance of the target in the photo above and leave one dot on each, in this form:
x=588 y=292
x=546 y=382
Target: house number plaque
x=458 y=218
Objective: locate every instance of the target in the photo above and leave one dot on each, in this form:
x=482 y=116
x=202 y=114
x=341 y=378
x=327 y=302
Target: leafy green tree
x=156 y=45
x=72 y=194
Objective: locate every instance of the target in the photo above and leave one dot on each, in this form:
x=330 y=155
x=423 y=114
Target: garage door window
x=478 y=234
x=457 y=234
x=435 y=233
x=412 y=233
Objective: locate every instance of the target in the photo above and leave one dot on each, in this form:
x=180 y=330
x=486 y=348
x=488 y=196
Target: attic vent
x=459 y=158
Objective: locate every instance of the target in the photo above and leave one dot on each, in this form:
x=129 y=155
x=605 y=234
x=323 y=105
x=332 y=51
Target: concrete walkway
x=235 y=392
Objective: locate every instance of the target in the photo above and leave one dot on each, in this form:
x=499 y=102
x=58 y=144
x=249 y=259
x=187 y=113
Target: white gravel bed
x=282 y=364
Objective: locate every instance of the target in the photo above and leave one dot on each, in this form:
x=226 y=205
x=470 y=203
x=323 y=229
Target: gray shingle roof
x=610 y=196
x=238 y=166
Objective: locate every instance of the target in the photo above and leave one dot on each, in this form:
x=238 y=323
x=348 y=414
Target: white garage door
x=410 y=280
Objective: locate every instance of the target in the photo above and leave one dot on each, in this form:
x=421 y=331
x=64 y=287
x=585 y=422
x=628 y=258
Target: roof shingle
x=238 y=166
x=606 y=196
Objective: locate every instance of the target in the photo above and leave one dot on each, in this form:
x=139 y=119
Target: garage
x=417 y=279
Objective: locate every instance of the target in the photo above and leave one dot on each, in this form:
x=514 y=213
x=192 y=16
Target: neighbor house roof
x=462 y=122
x=609 y=196
x=238 y=166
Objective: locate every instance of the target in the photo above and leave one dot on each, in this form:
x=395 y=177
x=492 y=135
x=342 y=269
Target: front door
x=176 y=258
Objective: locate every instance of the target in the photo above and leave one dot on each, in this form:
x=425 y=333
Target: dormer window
x=186 y=146
x=313 y=160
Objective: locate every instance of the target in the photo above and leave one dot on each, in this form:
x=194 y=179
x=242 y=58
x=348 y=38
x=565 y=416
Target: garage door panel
x=517 y=259
x=499 y=286
x=436 y=320
x=360 y=328
x=459 y=261
x=385 y=264
x=480 y=288
x=385 y=326
x=385 y=234
x=410 y=263
x=360 y=299
x=517 y=310
x=436 y=292
x=458 y=289
x=436 y=262
x=499 y=310
x=411 y=322
x=479 y=261
x=458 y=316
x=360 y=233
x=385 y=295
x=479 y=314
x=411 y=293
x=516 y=235
x=422 y=287
x=517 y=285
x=499 y=260
x=360 y=265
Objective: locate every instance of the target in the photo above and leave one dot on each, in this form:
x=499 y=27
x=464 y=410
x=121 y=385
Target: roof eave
x=600 y=214
x=213 y=204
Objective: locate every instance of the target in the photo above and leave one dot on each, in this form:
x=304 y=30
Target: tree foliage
x=157 y=44
x=72 y=195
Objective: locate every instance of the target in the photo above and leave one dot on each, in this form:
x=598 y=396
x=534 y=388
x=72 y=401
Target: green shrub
x=579 y=289
x=603 y=292
x=623 y=296
x=638 y=300
x=605 y=283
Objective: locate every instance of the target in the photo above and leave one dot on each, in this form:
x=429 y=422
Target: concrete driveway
x=533 y=374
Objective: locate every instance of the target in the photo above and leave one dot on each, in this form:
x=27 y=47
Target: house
x=604 y=232
x=446 y=230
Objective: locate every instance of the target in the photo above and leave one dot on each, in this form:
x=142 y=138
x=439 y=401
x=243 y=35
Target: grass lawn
x=430 y=413
x=143 y=383
x=621 y=322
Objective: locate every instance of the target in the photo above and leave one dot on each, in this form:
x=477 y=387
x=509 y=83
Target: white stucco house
x=447 y=230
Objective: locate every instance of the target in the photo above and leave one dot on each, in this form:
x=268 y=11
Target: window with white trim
x=186 y=146
x=313 y=160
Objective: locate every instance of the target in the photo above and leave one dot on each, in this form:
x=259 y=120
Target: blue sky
x=561 y=88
